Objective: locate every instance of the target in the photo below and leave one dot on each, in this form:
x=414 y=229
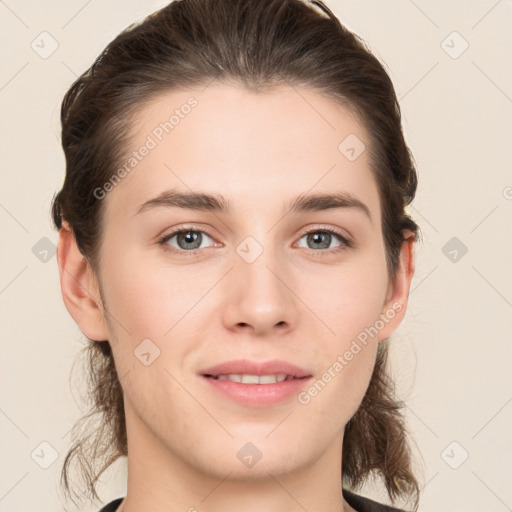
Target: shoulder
x=112 y=506
x=362 y=504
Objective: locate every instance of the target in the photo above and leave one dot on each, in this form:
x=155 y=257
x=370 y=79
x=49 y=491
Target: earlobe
x=79 y=286
x=395 y=306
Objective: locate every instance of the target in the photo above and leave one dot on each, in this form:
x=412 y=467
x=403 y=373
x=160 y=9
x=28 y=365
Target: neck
x=161 y=481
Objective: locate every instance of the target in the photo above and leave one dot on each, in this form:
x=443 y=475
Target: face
x=187 y=288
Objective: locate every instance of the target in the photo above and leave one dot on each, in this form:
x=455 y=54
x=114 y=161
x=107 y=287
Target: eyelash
x=346 y=243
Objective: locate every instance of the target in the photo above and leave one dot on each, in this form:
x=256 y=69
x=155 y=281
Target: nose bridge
x=257 y=264
x=258 y=250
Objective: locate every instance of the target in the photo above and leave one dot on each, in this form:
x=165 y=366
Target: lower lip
x=258 y=395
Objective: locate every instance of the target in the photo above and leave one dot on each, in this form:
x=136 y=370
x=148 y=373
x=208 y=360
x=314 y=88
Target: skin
x=295 y=302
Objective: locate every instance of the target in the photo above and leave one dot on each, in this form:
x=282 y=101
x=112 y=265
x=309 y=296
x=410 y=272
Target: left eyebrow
x=217 y=203
x=318 y=202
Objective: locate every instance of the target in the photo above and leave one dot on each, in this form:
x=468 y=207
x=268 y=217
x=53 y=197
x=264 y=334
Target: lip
x=257 y=395
x=257 y=368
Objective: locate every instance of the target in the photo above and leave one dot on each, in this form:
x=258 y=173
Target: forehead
x=255 y=148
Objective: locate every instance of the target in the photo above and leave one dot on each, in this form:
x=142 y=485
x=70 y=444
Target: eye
x=187 y=239
x=322 y=238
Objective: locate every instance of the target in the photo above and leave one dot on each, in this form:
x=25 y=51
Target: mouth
x=255 y=379
x=246 y=371
x=256 y=384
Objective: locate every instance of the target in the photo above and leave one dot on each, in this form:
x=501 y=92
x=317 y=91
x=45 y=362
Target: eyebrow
x=217 y=203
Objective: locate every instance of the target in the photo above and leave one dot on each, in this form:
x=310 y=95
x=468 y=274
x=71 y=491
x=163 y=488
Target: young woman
x=234 y=244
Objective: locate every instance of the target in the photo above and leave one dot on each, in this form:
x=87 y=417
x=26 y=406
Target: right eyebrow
x=189 y=200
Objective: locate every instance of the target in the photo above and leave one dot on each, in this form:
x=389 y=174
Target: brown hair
x=257 y=44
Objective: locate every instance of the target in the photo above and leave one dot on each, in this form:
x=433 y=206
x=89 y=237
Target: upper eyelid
x=318 y=228
x=321 y=228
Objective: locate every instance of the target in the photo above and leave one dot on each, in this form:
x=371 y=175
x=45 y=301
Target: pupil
x=317 y=239
x=189 y=237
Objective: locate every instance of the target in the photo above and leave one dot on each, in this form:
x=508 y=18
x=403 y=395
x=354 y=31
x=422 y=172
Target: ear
x=79 y=286
x=395 y=305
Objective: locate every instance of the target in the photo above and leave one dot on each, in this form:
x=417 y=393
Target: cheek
x=347 y=299
x=348 y=308
x=145 y=298
x=347 y=354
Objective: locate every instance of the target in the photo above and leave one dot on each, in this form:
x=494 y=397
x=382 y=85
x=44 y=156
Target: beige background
x=452 y=355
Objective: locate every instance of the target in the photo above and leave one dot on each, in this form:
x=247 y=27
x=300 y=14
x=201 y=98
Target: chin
x=252 y=458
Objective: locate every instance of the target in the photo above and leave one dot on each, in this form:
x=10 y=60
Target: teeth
x=254 y=379
x=250 y=379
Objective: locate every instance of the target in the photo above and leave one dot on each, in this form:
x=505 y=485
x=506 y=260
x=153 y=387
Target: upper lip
x=247 y=367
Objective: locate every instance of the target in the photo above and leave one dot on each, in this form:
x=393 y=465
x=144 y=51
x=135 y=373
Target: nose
x=258 y=296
